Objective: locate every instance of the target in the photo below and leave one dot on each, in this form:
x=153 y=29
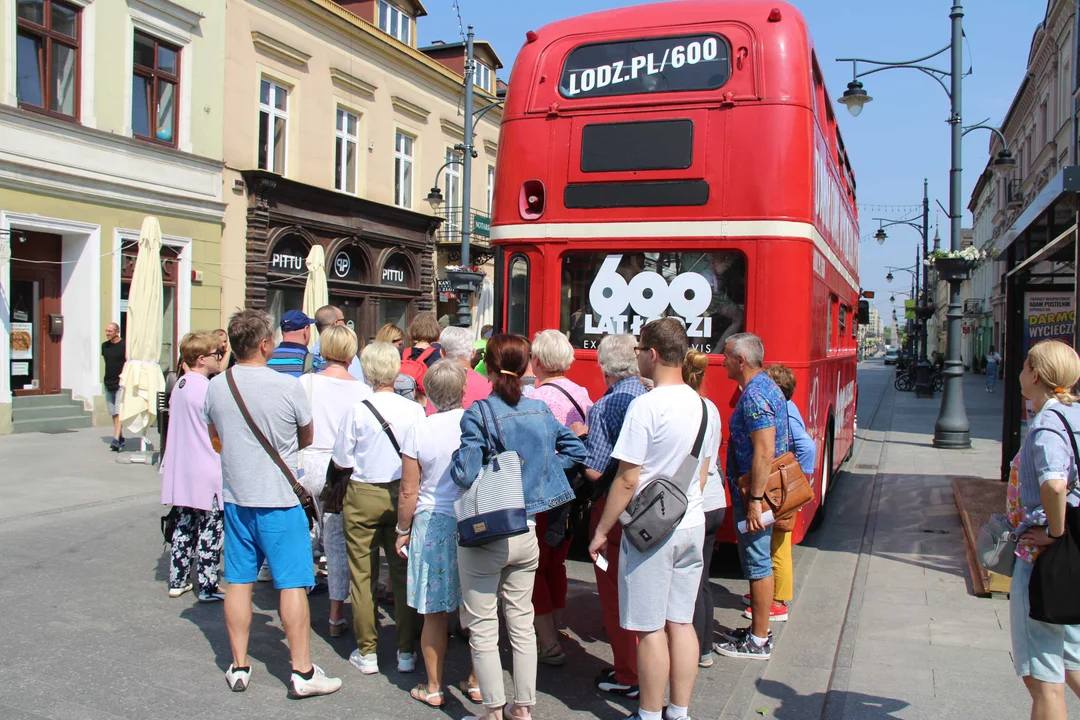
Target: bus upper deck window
x=517 y=297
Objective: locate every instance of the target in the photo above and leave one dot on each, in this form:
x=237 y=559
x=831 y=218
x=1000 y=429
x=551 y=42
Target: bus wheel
x=826 y=482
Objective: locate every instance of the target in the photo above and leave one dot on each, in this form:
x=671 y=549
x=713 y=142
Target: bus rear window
x=651 y=145
x=611 y=293
x=655 y=65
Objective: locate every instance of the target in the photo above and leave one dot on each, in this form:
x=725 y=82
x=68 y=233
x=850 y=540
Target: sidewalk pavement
x=911 y=641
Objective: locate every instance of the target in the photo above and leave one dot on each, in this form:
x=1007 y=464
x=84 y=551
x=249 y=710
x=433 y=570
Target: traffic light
x=864 y=312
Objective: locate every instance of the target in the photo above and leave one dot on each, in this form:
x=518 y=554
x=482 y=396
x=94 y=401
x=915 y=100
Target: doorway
x=353 y=309
x=35 y=295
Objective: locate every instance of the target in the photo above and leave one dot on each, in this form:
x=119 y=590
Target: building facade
x=336 y=127
x=110 y=111
x=981 y=292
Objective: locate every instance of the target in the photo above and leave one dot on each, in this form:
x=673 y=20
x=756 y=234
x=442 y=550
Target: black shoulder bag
x=563 y=520
x=1055 y=579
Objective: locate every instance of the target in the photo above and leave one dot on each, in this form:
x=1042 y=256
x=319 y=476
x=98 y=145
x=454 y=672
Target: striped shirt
x=288 y=358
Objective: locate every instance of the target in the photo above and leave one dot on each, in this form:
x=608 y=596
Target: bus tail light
x=532 y=200
x=774 y=16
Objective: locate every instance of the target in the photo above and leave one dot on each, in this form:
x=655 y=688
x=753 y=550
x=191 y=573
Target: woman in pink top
x=552 y=356
x=191 y=473
x=457 y=345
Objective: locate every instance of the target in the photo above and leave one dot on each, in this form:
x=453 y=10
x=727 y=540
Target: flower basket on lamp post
x=953 y=268
x=464 y=280
x=924 y=312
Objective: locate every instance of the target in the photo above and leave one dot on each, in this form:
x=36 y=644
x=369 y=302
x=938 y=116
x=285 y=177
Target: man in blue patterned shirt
x=758 y=433
x=618 y=362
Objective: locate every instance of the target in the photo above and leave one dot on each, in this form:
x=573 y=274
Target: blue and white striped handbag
x=493 y=507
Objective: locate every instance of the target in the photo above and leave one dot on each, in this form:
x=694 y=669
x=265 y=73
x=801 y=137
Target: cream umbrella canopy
x=315 y=293
x=484 y=311
x=141 y=379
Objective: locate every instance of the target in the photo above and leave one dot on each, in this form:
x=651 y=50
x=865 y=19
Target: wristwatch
x=1053 y=537
x=402 y=533
x=756 y=499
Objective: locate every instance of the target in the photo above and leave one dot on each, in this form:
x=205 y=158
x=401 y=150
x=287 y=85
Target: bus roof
x=782 y=75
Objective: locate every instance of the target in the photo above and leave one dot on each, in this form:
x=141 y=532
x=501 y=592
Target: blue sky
x=900 y=138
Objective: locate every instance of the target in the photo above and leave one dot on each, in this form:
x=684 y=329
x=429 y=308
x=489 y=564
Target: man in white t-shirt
x=658 y=589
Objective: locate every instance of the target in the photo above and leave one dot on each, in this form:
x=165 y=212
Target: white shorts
x=660 y=586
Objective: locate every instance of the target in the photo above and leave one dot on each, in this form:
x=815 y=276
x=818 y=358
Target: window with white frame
x=395 y=21
x=482 y=77
x=490 y=188
x=345 y=156
x=403 y=170
x=273 y=125
x=452 y=206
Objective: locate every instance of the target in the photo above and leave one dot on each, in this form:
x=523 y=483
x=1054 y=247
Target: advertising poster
x=1047 y=316
x=22 y=341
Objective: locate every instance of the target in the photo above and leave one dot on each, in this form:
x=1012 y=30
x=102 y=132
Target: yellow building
x=336 y=126
x=110 y=110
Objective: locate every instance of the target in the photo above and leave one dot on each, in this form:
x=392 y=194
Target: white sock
x=648 y=715
x=760 y=642
x=674 y=712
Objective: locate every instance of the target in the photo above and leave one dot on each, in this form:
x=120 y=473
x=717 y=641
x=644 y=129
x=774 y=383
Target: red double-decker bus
x=682 y=159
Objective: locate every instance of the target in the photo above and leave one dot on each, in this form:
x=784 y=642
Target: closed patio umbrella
x=315 y=293
x=141 y=379
x=484 y=311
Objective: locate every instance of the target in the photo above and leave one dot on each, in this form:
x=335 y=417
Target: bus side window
x=517 y=297
x=842 y=326
x=829 y=325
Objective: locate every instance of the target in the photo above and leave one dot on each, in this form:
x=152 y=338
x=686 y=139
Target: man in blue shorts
x=758 y=433
x=263 y=518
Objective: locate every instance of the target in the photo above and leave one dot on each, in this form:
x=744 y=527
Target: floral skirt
x=433 y=564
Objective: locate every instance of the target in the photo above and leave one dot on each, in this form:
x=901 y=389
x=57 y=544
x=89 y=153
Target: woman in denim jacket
x=507 y=567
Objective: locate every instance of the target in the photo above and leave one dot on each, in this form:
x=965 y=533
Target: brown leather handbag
x=786 y=491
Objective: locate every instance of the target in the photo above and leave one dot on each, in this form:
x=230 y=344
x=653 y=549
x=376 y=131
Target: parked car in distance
x=891 y=355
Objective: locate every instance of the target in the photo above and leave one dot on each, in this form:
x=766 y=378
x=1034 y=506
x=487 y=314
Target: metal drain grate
x=55 y=432
x=864 y=466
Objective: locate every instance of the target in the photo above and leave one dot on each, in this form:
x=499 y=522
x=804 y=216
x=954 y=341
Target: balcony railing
x=448 y=236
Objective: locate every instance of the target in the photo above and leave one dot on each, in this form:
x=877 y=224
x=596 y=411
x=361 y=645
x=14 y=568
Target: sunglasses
x=640 y=350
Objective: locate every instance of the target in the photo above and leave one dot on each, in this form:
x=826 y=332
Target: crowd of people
x=299 y=459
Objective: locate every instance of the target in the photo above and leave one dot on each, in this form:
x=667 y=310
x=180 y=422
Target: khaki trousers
x=505 y=568
x=369 y=515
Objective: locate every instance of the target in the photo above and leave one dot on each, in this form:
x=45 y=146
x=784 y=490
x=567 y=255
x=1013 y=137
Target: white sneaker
x=264 y=574
x=238 y=678
x=319 y=684
x=406 y=662
x=177 y=592
x=367 y=664
x=211 y=597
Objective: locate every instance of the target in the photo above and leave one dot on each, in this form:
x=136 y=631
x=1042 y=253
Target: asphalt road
x=88 y=630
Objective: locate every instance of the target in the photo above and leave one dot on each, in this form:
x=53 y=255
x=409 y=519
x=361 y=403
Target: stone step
x=30 y=401
x=70 y=422
x=47 y=412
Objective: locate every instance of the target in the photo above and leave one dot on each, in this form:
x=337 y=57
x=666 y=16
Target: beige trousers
x=506 y=569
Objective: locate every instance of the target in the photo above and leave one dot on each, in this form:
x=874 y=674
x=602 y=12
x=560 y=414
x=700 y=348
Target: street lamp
x=464 y=282
x=888 y=278
x=952 y=429
x=880 y=236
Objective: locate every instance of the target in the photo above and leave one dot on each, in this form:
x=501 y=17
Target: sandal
x=338 y=628
x=552 y=655
x=420 y=693
x=471 y=691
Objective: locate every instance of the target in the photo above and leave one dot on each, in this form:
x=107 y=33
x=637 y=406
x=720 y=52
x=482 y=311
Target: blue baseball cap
x=295 y=320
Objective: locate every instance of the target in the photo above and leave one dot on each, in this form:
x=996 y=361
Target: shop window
x=155 y=84
x=608 y=293
x=170 y=269
x=517 y=297
x=403 y=170
x=273 y=126
x=47 y=57
x=345 y=154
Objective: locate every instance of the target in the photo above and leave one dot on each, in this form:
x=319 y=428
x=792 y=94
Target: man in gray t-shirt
x=263 y=518
x=278 y=405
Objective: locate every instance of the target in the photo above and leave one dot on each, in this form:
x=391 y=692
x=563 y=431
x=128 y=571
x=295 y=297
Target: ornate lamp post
x=924 y=387
x=464 y=282
x=952 y=429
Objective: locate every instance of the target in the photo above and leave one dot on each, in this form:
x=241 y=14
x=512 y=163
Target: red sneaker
x=746 y=599
x=777 y=613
